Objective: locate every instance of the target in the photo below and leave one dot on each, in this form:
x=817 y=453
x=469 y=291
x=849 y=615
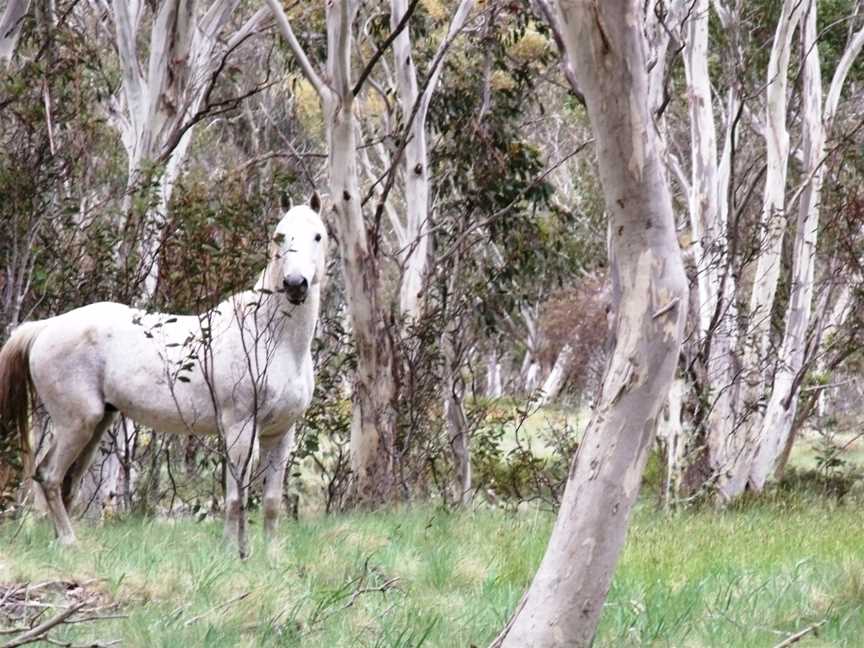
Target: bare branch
x=288 y=33
x=37 y=633
x=798 y=636
x=853 y=48
x=403 y=23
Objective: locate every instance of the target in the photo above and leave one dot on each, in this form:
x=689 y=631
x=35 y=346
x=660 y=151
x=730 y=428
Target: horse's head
x=298 y=252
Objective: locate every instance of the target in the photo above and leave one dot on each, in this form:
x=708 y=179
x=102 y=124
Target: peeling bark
x=605 y=46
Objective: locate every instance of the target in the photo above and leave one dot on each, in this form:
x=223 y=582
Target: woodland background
x=147 y=149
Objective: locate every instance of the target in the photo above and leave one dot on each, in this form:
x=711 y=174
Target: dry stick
x=383 y=588
x=89 y=644
x=798 y=636
x=12 y=591
x=36 y=633
x=217 y=607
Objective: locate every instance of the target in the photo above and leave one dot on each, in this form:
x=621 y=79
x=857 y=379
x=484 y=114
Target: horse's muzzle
x=296 y=288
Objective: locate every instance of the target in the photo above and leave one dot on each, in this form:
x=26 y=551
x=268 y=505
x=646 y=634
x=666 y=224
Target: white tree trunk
x=372 y=424
x=736 y=446
x=670 y=431
x=562 y=607
x=721 y=370
x=555 y=380
x=10 y=27
x=494 y=381
x=414 y=248
x=782 y=406
x=708 y=233
x=532 y=376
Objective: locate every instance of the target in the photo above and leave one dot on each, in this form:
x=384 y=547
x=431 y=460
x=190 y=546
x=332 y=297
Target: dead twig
x=89 y=644
x=383 y=588
x=798 y=636
x=217 y=607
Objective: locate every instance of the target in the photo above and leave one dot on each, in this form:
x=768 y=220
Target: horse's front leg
x=239 y=446
x=274 y=460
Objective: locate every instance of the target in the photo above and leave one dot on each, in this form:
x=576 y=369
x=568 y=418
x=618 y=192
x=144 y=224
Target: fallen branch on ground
x=798 y=636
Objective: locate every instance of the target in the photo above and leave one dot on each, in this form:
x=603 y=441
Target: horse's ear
x=285 y=201
x=315 y=202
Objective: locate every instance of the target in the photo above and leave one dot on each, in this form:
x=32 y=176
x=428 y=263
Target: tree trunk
x=604 y=44
x=782 y=406
x=453 y=393
x=373 y=423
x=494 y=382
x=10 y=27
x=707 y=234
x=414 y=250
x=555 y=380
x=733 y=447
x=670 y=431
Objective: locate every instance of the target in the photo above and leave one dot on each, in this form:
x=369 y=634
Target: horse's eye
x=317 y=237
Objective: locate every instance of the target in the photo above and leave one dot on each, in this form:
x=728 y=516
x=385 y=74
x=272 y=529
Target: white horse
x=242 y=370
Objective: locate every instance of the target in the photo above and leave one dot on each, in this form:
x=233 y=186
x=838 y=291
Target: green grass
x=744 y=577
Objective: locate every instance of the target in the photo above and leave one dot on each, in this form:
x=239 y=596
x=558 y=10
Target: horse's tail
x=16 y=387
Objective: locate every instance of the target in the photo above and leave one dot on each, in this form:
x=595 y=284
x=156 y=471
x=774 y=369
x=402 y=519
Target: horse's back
x=111 y=354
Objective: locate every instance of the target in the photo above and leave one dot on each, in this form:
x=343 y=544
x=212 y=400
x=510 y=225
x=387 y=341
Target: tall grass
x=424 y=576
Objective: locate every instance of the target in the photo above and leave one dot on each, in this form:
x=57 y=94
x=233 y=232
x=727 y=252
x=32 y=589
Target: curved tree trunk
x=604 y=45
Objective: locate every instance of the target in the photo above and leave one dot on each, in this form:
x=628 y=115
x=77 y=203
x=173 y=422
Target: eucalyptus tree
x=373 y=326
x=817 y=121
x=162 y=97
x=746 y=377
x=604 y=48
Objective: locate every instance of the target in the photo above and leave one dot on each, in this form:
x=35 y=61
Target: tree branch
x=403 y=23
x=36 y=634
x=285 y=27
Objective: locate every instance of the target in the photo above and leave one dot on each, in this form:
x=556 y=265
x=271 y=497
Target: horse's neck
x=287 y=328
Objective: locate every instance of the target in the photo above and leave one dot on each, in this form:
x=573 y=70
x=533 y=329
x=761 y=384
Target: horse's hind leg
x=72 y=481
x=71 y=436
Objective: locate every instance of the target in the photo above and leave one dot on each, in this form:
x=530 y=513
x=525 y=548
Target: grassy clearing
x=744 y=577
